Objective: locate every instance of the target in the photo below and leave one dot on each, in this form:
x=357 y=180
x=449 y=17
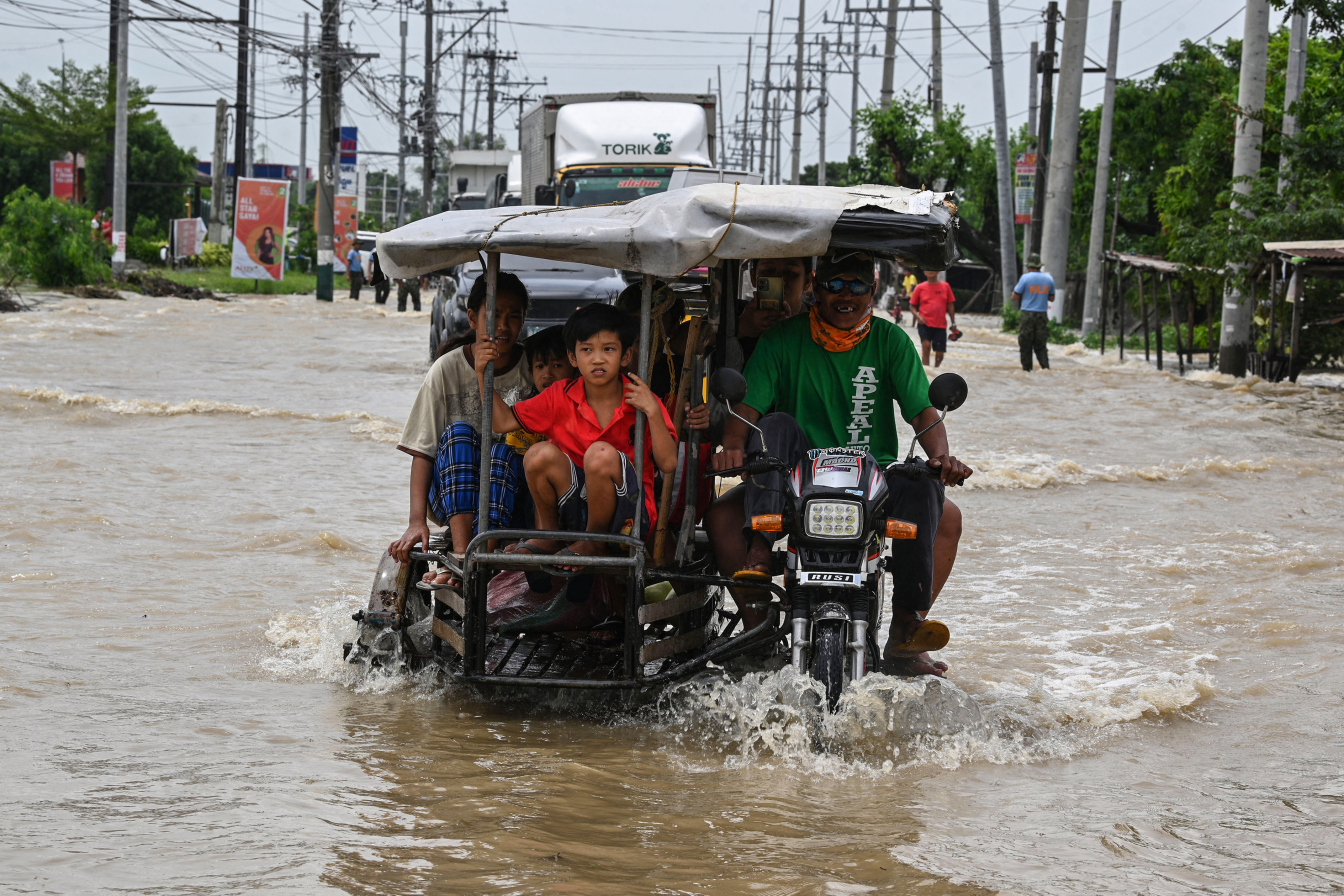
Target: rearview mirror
x=948 y=391
x=570 y=189
x=728 y=386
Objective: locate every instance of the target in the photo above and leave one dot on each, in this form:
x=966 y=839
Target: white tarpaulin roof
x=667 y=233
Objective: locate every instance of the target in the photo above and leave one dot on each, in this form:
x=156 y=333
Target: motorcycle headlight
x=834 y=519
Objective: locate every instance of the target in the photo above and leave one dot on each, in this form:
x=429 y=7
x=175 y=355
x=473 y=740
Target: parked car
x=557 y=289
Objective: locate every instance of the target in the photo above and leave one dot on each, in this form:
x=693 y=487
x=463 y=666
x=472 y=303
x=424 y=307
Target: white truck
x=591 y=148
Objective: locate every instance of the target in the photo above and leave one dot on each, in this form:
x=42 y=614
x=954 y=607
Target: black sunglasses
x=856 y=287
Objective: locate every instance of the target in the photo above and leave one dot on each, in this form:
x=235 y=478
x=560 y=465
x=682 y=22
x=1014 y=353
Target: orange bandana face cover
x=834 y=339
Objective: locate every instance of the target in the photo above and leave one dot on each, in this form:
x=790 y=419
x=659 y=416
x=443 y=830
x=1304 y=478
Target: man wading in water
x=828 y=379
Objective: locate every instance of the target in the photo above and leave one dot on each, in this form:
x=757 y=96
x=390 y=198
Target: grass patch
x=218 y=280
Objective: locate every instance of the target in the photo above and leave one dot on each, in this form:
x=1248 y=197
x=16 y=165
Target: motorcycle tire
x=828 y=658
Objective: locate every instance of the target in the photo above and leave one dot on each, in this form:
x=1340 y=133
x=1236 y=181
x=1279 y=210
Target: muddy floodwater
x=1146 y=691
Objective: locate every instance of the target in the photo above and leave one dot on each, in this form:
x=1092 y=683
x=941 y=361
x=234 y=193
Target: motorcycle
x=838 y=528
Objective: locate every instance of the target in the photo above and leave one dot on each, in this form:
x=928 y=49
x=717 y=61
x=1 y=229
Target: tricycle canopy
x=666 y=234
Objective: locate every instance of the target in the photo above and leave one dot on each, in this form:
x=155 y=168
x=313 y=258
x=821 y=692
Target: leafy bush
x=49 y=240
x=145 y=240
x=216 y=255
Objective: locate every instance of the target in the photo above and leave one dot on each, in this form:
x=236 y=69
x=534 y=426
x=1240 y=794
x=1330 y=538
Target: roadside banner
x=63 y=180
x=343 y=233
x=259 y=220
x=188 y=236
x=1024 y=187
x=349 y=179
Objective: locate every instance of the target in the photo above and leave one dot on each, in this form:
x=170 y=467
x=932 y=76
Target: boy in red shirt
x=932 y=304
x=583 y=477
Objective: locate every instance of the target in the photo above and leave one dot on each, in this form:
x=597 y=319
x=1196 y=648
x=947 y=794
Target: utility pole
x=218 y=170
x=401 y=131
x=1095 y=262
x=1064 y=153
x=1007 y=234
x=765 y=97
x=427 y=115
x=936 y=62
x=492 y=58
x=303 y=119
x=1031 y=136
x=748 y=140
x=889 y=56
x=796 y=156
x=821 y=121
x=1046 y=63
x=251 y=101
x=328 y=147
x=1031 y=90
x=854 y=94
x=241 y=108
x=774 y=178
x=109 y=170
x=722 y=149
x=119 y=144
x=1297 y=78
x=1238 y=310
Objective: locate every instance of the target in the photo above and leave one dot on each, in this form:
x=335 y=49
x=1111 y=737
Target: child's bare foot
x=442 y=577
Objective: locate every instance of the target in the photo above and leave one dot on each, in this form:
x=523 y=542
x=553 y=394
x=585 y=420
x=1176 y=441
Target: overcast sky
x=576 y=47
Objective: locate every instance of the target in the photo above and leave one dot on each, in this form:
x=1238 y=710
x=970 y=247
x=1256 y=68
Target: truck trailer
x=591 y=148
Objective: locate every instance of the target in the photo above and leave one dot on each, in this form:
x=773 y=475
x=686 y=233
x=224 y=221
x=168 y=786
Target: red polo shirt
x=562 y=414
x=932 y=300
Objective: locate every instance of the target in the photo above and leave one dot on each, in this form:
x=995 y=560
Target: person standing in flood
x=354 y=266
x=1034 y=292
x=933 y=303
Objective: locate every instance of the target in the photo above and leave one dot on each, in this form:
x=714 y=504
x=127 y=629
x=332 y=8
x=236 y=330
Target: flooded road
x=1146 y=657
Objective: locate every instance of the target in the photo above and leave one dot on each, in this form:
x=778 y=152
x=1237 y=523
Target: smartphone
x=769 y=293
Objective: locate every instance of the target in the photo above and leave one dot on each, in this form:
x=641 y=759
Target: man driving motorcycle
x=829 y=379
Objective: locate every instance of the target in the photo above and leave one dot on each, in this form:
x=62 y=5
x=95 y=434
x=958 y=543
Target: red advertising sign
x=63 y=180
x=343 y=234
x=260 y=215
x=1024 y=187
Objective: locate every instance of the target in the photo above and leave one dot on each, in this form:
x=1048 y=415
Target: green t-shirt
x=840 y=399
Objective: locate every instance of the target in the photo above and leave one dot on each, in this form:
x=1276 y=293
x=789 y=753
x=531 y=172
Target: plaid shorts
x=454 y=488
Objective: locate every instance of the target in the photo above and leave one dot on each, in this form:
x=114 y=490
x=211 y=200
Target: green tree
x=72 y=113
x=49 y=240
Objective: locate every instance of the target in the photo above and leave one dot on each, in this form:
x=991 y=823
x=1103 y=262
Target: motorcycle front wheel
x=828 y=658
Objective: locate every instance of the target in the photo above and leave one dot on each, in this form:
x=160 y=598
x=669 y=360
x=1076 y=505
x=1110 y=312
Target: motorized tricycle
x=678 y=613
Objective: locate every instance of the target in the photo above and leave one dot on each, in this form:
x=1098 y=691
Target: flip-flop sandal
x=564 y=573
x=537 y=580
x=451 y=580
x=750 y=575
x=931 y=635
x=613 y=625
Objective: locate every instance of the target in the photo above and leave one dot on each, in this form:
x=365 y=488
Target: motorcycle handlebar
x=753 y=467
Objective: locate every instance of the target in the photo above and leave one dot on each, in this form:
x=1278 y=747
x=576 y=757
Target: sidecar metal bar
x=487 y=429
x=444 y=559
x=634 y=596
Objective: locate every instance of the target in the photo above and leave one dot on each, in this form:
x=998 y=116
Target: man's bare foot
x=535 y=546
x=913 y=665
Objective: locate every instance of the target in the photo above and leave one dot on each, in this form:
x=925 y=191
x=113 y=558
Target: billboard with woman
x=259 y=223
